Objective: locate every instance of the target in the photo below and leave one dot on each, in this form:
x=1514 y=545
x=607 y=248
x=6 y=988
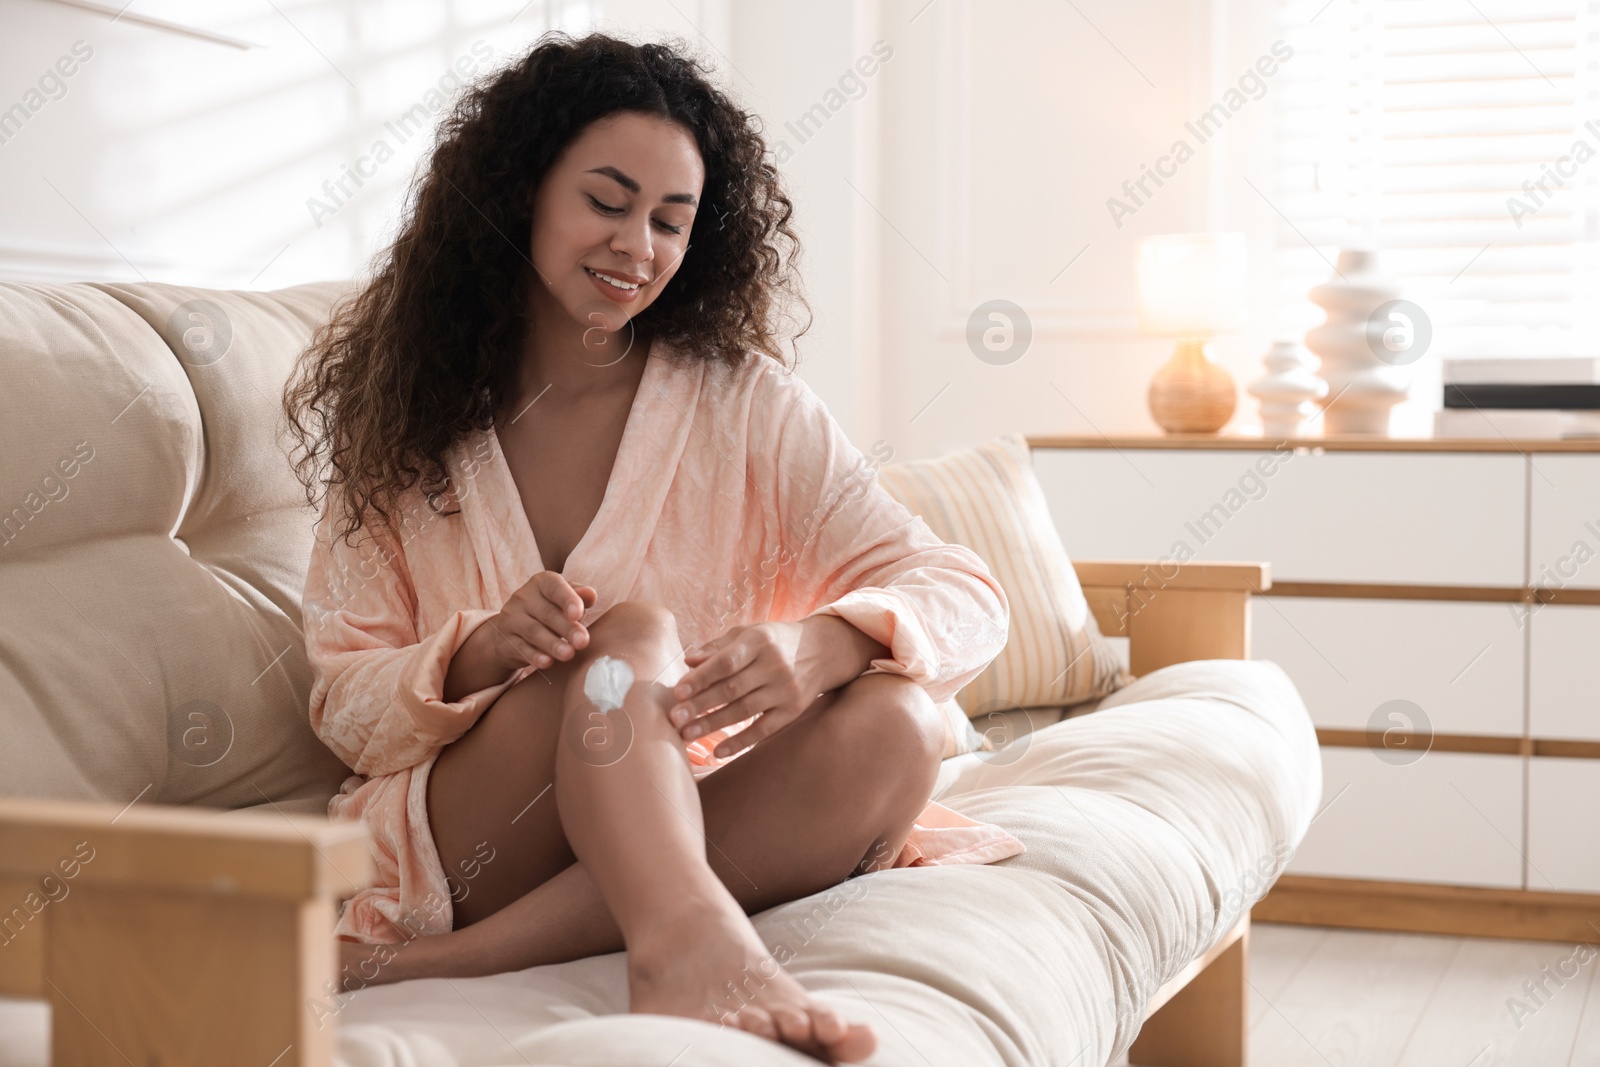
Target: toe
x=830 y=1025
x=844 y=1041
x=858 y=1043
x=794 y=1026
x=757 y=1021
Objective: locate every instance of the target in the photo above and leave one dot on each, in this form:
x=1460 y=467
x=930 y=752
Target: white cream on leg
x=607 y=682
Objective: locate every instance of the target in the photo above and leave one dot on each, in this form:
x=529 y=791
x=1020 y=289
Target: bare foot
x=713 y=966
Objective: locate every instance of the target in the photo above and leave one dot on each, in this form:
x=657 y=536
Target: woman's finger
x=754 y=702
x=550 y=616
x=768 y=724
x=506 y=629
x=540 y=645
x=538 y=624
x=688 y=711
x=724 y=662
x=698 y=654
x=566 y=600
x=730 y=688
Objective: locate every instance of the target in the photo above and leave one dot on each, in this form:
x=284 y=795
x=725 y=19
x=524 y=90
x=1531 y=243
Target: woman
x=558 y=419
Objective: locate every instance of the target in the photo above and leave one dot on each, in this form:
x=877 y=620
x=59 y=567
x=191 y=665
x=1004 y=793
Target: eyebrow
x=633 y=187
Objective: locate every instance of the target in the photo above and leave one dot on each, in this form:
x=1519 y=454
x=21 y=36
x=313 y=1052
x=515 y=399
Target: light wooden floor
x=1353 y=998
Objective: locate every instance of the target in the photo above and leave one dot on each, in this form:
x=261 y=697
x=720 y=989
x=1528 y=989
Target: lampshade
x=1192 y=284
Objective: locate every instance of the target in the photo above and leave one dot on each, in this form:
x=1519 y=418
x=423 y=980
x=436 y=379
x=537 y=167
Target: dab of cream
x=607 y=682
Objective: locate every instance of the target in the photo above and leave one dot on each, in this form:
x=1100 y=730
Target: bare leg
x=785 y=820
x=795 y=815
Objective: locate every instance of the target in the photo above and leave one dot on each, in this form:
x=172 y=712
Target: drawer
x=1564 y=525
x=1460 y=662
x=1564 y=672
x=1398 y=518
x=1563 y=810
x=1452 y=818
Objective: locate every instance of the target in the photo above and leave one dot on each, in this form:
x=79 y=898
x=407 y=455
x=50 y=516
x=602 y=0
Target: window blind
x=1461 y=138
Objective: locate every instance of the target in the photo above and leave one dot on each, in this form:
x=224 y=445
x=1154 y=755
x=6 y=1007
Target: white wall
x=798 y=69
x=1007 y=128
x=973 y=163
x=171 y=158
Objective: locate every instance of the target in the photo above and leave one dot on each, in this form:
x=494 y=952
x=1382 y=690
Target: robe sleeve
x=377 y=695
x=849 y=548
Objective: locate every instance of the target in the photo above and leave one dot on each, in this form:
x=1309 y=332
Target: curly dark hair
x=425 y=352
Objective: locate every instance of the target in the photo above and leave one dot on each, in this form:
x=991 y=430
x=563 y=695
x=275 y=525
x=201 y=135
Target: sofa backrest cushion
x=153 y=547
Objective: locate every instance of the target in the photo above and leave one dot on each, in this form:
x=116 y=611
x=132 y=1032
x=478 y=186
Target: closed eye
x=607 y=208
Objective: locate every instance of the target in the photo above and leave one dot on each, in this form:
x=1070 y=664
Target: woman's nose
x=632 y=239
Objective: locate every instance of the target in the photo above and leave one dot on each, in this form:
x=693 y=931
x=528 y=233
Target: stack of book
x=1529 y=398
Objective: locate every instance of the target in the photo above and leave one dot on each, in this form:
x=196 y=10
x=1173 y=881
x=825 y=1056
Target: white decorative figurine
x=1367 y=343
x=1289 y=390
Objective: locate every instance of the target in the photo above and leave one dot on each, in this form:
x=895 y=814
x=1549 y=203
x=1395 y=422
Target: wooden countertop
x=1343 y=443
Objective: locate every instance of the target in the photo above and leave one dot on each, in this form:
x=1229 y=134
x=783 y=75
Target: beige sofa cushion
x=153 y=546
x=1151 y=827
x=988 y=498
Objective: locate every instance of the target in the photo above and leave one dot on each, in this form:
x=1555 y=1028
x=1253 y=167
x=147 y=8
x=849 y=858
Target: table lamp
x=1192 y=286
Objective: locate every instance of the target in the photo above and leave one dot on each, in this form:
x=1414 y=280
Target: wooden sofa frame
x=178 y=935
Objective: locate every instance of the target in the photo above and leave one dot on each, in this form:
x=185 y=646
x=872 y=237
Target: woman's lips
x=621 y=296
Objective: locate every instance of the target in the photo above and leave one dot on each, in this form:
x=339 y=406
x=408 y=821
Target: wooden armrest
x=1173 y=612
x=176 y=935
x=1165 y=574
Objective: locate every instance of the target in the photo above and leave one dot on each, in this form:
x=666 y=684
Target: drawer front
x=1398 y=518
x=1459 y=662
x=1564 y=672
x=1449 y=817
x=1563 y=811
x=1564 y=528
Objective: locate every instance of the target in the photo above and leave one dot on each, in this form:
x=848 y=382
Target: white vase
x=1288 y=391
x=1361 y=387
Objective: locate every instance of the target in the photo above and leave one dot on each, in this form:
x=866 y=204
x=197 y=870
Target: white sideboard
x=1437 y=603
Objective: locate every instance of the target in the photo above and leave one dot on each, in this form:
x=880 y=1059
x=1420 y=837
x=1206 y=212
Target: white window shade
x=1411 y=126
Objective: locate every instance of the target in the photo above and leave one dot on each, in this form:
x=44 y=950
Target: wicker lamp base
x=1191 y=393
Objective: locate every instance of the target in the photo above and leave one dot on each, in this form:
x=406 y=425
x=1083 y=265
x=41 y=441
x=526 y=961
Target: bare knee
x=891 y=722
x=630 y=648
x=636 y=637
x=633 y=619
x=887 y=741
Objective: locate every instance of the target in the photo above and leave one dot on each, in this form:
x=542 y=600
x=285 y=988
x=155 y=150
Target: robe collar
x=611 y=552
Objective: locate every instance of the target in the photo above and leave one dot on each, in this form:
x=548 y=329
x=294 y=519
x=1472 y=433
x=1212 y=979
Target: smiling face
x=620 y=201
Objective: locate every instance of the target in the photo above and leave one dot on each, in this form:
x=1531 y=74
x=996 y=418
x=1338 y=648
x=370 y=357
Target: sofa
x=168 y=880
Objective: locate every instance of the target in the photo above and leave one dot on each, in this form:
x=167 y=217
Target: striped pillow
x=988 y=499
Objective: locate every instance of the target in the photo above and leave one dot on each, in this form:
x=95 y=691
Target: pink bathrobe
x=735 y=499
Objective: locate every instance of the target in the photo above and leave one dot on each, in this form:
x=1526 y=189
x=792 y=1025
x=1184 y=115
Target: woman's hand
x=748 y=670
x=537 y=625
x=539 y=622
x=772 y=669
